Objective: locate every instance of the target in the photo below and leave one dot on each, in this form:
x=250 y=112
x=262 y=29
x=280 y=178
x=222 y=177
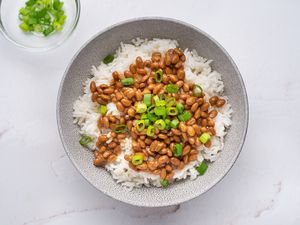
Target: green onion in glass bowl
x=42 y=17
x=44 y=28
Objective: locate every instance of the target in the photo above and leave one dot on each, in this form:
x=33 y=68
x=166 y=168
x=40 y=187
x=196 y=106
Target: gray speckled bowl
x=107 y=42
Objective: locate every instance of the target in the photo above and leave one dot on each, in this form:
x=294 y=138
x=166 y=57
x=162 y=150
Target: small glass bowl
x=9 y=26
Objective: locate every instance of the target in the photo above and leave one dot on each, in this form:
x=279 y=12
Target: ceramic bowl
x=108 y=41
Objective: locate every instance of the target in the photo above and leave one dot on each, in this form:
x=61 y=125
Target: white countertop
x=38 y=183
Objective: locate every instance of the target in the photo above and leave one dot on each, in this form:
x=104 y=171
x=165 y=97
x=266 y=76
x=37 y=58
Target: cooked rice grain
x=197 y=69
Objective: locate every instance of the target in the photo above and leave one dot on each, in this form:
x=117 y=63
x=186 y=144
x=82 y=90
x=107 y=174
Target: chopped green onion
x=185 y=116
x=140 y=125
x=180 y=107
x=177 y=150
x=160 y=103
x=24 y=27
x=155 y=98
x=205 y=137
x=172 y=88
x=62 y=19
x=32 y=21
x=158 y=76
x=30 y=2
x=141 y=107
x=137 y=160
x=147 y=122
x=57 y=26
x=171 y=101
x=202 y=168
x=172 y=111
x=163 y=97
x=160 y=124
x=37 y=28
x=160 y=111
x=144 y=116
x=152 y=117
x=164 y=183
x=147 y=99
x=127 y=81
x=120 y=129
x=174 y=123
x=102 y=109
x=42 y=16
x=150 y=131
x=197 y=90
x=48 y=31
x=24 y=11
x=57 y=5
x=85 y=140
x=108 y=59
x=24 y=18
x=167 y=122
x=151 y=109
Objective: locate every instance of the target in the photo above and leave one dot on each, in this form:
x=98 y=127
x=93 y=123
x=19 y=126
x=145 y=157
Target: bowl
x=9 y=26
x=107 y=42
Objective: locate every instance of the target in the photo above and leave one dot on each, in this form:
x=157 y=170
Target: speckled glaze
x=107 y=42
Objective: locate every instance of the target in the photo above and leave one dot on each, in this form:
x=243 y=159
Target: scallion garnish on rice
x=154 y=118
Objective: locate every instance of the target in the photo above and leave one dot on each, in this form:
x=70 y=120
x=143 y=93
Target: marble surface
x=39 y=185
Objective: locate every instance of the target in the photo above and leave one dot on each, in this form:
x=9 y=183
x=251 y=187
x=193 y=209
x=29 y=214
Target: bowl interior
x=107 y=42
x=9 y=25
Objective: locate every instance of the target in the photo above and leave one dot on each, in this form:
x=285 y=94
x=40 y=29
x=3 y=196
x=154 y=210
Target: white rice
x=197 y=69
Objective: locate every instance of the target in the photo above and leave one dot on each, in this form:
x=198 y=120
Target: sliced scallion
x=158 y=76
x=171 y=101
x=127 y=81
x=202 y=168
x=150 y=131
x=197 y=90
x=164 y=183
x=152 y=117
x=147 y=99
x=172 y=111
x=147 y=122
x=151 y=109
x=140 y=125
x=174 y=123
x=185 y=116
x=167 y=122
x=160 y=103
x=42 y=16
x=160 y=124
x=177 y=150
x=85 y=140
x=141 y=107
x=102 y=109
x=205 y=137
x=144 y=116
x=160 y=111
x=155 y=98
x=180 y=108
x=120 y=129
x=108 y=59
x=172 y=88
x=137 y=160
x=163 y=97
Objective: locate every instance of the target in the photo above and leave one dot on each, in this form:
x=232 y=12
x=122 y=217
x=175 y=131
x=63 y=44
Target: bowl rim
x=149 y=18
x=41 y=49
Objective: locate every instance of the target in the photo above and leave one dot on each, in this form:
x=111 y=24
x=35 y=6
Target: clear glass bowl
x=9 y=26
